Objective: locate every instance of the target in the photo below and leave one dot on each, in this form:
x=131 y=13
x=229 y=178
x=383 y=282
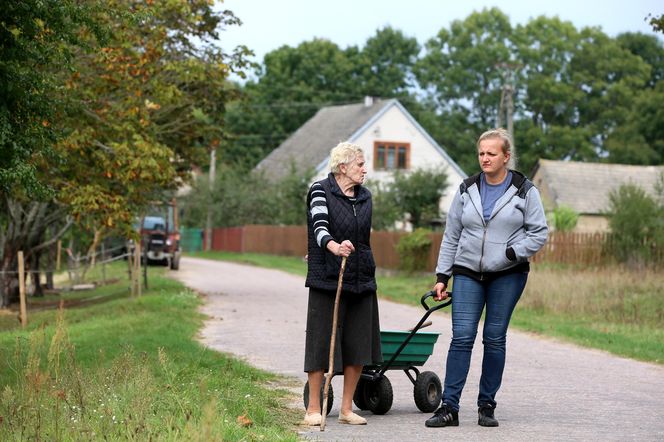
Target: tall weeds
x=55 y=399
x=615 y=294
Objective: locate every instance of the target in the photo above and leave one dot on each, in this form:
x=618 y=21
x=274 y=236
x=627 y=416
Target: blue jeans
x=469 y=298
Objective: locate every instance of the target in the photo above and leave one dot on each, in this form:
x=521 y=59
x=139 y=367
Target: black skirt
x=358 y=330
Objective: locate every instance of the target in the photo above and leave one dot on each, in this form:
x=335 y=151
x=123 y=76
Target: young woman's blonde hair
x=343 y=153
x=500 y=133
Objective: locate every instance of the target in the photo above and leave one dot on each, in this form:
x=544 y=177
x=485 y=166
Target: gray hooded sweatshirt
x=515 y=231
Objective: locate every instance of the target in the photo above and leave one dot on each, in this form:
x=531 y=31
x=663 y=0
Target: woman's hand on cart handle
x=441 y=291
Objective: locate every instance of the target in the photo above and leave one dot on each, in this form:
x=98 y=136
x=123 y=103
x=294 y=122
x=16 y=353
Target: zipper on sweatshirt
x=482 y=252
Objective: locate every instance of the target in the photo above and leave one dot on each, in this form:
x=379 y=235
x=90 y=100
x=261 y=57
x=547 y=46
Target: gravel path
x=551 y=390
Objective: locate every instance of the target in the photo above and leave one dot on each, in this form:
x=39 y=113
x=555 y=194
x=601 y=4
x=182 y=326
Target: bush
x=241 y=197
x=637 y=223
x=564 y=218
x=413 y=251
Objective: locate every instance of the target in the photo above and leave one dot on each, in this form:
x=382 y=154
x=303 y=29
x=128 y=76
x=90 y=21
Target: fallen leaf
x=244 y=421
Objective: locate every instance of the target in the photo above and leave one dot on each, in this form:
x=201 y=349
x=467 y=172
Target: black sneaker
x=486 y=418
x=445 y=416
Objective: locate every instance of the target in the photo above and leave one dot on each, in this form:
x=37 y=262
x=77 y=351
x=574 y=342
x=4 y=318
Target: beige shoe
x=352 y=419
x=312 y=420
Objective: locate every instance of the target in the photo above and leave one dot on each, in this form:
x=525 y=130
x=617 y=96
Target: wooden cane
x=328 y=376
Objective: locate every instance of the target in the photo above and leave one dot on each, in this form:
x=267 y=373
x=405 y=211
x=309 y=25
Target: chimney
x=368 y=101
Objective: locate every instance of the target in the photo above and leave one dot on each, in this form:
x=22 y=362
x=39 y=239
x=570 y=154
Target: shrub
x=637 y=224
x=413 y=250
x=564 y=218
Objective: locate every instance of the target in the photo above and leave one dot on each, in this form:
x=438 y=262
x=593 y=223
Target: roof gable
x=311 y=143
x=585 y=187
x=309 y=147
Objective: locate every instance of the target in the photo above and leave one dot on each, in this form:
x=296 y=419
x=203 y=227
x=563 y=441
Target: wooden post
x=137 y=269
x=130 y=269
x=57 y=256
x=21 y=289
x=145 y=267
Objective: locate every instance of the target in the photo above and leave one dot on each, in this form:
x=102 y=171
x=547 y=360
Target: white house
x=390 y=137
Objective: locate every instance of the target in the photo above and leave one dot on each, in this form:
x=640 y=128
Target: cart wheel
x=378 y=395
x=427 y=391
x=330 y=396
x=358 y=397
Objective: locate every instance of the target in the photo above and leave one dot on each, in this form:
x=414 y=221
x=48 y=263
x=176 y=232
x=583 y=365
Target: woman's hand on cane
x=344 y=249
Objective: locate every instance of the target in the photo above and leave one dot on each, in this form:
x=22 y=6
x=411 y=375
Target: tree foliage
x=293 y=83
x=147 y=106
x=418 y=194
x=415 y=195
x=564 y=218
x=636 y=220
x=578 y=93
x=238 y=198
x=116 y=129
x=413 y=250
x=36 y=38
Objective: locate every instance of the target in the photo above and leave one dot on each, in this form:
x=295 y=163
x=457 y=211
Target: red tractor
x=160 y=237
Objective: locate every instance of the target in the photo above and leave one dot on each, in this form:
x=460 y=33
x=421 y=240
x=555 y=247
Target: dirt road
x=551 y=390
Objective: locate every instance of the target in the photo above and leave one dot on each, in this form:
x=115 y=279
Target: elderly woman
x=496 y=222
x=339 y=224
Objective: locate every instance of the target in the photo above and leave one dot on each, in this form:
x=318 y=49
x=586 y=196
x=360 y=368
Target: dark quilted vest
x=347 y=221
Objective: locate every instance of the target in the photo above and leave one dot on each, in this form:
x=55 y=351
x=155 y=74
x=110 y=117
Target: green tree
x=36 y=37
x=649 y=48
x=149 y=104
x=461 y=74
x=135 y=113
x=637 y=223
x=575 y=91
x=385 y=64
x=238 y=198
x=413 y=250
x=564 y=218
x=577 y=88
x=657 y=22
x=385 y=209
x=418 y=194
x=293 y=83
x=37 y=40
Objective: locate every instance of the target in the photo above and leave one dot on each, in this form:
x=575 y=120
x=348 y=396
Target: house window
x=391 y=156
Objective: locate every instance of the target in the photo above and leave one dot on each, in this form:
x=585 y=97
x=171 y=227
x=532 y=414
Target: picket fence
x=562 y=247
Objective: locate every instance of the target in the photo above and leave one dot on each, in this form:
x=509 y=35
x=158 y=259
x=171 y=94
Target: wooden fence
x=561 y=247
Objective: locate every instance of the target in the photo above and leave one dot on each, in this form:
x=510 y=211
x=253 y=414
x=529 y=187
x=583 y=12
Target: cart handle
x=416 y=328
x=431 y=294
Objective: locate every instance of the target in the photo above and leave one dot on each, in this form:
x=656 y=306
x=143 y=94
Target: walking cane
x=328 y=376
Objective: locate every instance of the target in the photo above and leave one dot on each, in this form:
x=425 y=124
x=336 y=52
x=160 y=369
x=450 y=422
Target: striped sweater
x=320 y=216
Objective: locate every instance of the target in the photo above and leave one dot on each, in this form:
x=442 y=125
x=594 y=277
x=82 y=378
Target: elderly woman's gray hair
x=343 y=153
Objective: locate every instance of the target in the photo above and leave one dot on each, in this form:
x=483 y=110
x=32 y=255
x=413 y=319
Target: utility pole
x=211 y=177
x=506 y=107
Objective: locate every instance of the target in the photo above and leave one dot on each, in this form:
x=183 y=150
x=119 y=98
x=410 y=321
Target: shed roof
x=585 y=187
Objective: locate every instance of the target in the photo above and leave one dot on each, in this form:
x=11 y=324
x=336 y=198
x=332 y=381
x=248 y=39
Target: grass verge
x=613 y=309
x=129 y=368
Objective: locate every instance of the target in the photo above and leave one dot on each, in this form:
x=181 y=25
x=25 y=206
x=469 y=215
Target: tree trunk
x=25 y=226
x=35 y=274
x=9 y=279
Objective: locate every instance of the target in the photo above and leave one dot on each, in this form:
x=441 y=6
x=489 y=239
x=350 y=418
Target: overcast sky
x=269 y=24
